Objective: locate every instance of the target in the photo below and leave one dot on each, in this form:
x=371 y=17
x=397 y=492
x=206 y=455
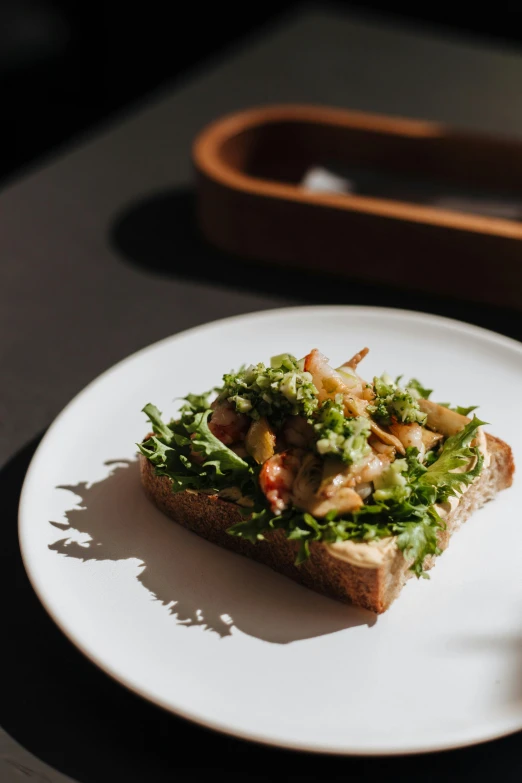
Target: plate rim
x=223 y=727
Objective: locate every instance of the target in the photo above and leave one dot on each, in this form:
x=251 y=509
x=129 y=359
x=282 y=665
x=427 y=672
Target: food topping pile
x=322 y=455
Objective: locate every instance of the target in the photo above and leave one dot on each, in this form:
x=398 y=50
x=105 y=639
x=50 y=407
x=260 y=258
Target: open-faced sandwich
x=345 y=486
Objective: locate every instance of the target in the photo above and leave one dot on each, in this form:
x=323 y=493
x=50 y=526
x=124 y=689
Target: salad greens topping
x=456 y=454
x=339 y=436
x=393 y=402
x=276 y=392
x=402 y=500
x=190 y=455
x=403 y=506
x=415 y=526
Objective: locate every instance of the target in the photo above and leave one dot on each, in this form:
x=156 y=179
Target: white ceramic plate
x=230 y=644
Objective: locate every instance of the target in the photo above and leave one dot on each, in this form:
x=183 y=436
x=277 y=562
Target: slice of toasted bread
x=371 y=588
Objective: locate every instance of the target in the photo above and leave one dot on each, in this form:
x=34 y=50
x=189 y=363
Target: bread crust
x=371 y=588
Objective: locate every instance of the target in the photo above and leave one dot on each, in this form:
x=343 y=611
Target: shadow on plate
x=197 y=582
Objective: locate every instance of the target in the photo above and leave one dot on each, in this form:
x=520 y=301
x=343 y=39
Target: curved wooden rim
x=206 y=154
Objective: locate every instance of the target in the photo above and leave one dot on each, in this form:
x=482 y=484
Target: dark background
x=66 y=65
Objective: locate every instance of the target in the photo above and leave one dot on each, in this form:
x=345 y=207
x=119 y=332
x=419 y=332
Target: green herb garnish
x=276 y=392
x=345 y=438
x=395 y=403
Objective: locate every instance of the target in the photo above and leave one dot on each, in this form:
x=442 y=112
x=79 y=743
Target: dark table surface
x=99 y=257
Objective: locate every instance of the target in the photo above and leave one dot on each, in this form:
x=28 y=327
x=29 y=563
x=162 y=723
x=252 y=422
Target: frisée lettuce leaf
x=456 y=454
x=190 y=455
x=215 y=453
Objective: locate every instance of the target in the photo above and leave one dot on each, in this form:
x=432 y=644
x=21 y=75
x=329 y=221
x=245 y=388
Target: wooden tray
x=250 y=202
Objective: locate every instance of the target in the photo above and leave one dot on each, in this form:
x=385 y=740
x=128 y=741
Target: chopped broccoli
x=278 y=391
x=395 y=402
x=346 y=438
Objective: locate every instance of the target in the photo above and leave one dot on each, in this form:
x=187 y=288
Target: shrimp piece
x=443 y=419
x=344 y=501
x=373 y=465
x=382 y=448
x=368 y=393
x=322 y=487
x=308 y=490
x=354 y=361
x=448 y=422
x=327 y=381
x=430 y=439
x=352 y=381
x=227 y=424
x=277 y=477
x=409 y=435
x=330 y=382
x=387 y=437
x=298 y=432
x=337 y=475
x=307 y=480
x=348 y=371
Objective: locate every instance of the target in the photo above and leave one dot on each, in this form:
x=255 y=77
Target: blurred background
x=66 y=65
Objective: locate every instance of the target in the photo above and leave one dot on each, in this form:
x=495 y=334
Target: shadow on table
x=198 y=583
x=159 y=234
